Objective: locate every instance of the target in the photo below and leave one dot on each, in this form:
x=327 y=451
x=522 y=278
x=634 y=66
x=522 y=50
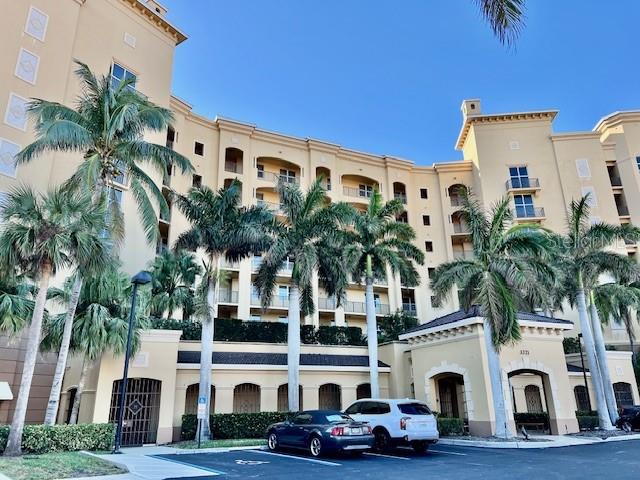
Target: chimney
x=470 y=107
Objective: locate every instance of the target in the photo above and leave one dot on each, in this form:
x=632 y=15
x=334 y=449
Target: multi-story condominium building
x=515 y=154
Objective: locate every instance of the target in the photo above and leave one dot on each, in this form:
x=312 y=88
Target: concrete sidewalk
x=547 y=441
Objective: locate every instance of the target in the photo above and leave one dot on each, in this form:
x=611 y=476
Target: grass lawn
x=50 y=466
x=240 y=442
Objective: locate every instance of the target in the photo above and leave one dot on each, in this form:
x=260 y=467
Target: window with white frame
x=519 y=177
x=365 y=190
x=582 y=166
x=8 y=152
x=120 y=74
x=287 y=176
x=524 y=206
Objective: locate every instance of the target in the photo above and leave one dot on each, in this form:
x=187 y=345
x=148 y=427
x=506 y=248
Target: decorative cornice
x=617 y=118
x=575 y=136
x=157 y=20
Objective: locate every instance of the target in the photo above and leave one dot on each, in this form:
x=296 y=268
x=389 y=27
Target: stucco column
x=348 y=395
x=269 y=399
x=315 y=318
x=310 y=397
x=224 y=399
x=244 y=289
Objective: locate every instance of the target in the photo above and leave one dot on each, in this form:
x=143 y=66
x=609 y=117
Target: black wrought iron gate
x=141 y=410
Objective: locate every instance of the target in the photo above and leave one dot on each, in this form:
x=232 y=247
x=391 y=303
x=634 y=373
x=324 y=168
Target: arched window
x=191 y=399
x=330 y=397
x=622 y=391
x=582 y=398
x=533 y=399
x=283 y=398
x=325 y=173
x=233 y=160
x=455 y=191
x=246 y=398
x=363 y=391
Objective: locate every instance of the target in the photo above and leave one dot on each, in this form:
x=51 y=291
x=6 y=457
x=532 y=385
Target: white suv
x=397 y=422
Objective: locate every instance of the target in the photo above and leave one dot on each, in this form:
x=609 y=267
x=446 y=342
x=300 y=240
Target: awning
x=5 y=391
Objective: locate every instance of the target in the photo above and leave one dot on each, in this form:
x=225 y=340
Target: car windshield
x=338 y=418
x=414 y=409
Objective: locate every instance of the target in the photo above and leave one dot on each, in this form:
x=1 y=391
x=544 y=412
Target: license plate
x=356 y=431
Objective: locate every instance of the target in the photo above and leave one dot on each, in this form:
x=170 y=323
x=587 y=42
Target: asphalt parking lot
x=615 y=460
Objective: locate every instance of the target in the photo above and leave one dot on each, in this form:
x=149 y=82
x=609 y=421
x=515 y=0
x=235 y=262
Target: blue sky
x=388 y=77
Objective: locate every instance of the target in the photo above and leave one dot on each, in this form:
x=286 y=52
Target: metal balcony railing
x=400 y=196
x=227 y=296
x=409 y=308
x=356 y=192
x=456 y=201
x=276 y=177
x=274 y=207
x=522 y=183
x=233 y=167
x=287 y=266
x=276 y=301
x=326 y=303
x=460 y=227
x=360 y=307
x=529 y=212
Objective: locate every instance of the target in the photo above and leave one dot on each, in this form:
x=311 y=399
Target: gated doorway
x=141 y=410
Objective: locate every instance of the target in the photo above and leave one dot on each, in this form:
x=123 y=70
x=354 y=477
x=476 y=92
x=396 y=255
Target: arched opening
x=533 y=399
x=450 y=395
x=400 y=191
x=358 y=186
x=141 y=410
x=363 y=391
x=533 y=406
x=455 y=192
x=283 y=398
x=246 y=398
x=330 y=397
x=233 y=160
x=273 y=169
x=191 y=399
x=583 y=403
x=623 y=394
x=458 y=223
x=268 y=197
x=325 y=173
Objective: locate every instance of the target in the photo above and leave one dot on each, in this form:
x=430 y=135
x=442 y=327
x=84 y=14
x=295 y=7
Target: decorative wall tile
x=16 y=114
x=8 y=151
x=36 y=25
x=130 y=40
x=27 y=66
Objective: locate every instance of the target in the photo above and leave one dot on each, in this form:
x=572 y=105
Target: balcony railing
x=276 y=301
x=356 y=192
x=326 y=185
x=409 y=308
x=287 y=266
x=459 y=227
x=233 y=167
x=529 y=212
x=274 y=207
x=227 y=296
x=276 y=177
x=456 y=201
x=400 y=196
x=524 y=183
x=326 y=303
x=361 y=308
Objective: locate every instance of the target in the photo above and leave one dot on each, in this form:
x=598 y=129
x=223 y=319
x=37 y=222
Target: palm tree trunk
x=594 y=369
x=372 y=338
x=14 y=442
x=293 y=349
x=503 y=428
x=601 y=353
x=58 y=376
x=75 y=409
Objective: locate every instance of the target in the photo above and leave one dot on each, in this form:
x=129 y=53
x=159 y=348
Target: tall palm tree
x=174 y=274
x=505 y=17
x=16 y=302
x=378 y=241
x=101 y=322
x=39 y=236
x=620 y=302
x=221 y=229
x=310 y=235
x=106 y=128
x=506 y=267
x=583 y=258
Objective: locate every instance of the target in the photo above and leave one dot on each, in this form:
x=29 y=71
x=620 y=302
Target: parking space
x=619 y=460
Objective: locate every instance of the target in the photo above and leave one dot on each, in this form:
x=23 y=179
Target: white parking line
x=313 y=460
x=386 y=456
x=448 y=453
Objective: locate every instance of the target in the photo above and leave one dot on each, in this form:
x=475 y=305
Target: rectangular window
x=638 y=162
x=434 y=303
x=524 y=206
x=519 y=177
x=27 y=66
x=198 y=148
x=260 y=169
x=283 y=291
x=592 y=201
x=36 y=25
x=120 y=74
x=430 y=272
x=426 y=220
x=287 y=176
x=424 y=193
x=428 y=246
x=196 y=181
x=16 y=113
x=114 y=194
x=8 y=151
x=365 y=190
x=582 y=165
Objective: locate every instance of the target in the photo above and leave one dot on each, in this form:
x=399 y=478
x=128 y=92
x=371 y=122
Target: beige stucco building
x=516 y=154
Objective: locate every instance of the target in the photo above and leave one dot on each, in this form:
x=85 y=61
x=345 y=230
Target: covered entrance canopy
x=451 y=372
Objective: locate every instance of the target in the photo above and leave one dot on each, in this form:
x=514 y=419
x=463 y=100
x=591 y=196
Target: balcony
x=227 y=296
x=272 y=206
x=355 y=192
x=228 y=265
x=360 y=308
x=400 y=196
x=286 y=268
x=276 y=301
x=529 y=213
x=326 y=303
x=276 y=177
x=409 y=308
x=523 y=184
x=233 y=167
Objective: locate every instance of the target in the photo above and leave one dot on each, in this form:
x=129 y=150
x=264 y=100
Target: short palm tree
x=310 y=236
x=378 y=241
x=221 y=229
x=106 y=128
x=174 y=274
x=582 y=256
x=507 y=264
x=505 y=17
x=42 y=234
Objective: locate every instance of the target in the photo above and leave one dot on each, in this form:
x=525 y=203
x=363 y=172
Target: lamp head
x=141 y=278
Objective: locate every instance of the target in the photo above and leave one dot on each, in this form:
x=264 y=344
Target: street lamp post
x=584 y=372
x=140 y=278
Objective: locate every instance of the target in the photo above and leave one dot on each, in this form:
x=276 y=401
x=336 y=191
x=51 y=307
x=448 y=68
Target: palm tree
x=583 y=258
x=106 y=128
x=222 y=229
x=101 y=322
x=619 y=301
x=39 y=236
x=505 y=17
x=378 y=241
x=310 y=236
x=16 y=304
x=174 y=274
x=508 y=262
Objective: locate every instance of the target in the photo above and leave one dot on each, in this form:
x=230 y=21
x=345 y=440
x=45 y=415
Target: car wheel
x=315 y=446
x=420 y=447
x=626 y=426
x=272 y=441
x=382 y=440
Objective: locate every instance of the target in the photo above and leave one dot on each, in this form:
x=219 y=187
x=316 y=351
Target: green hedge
x=234 y=330
x=450 y=426
x=588 y=422
x=63 y=438
x=525 y=417
x=233 y=425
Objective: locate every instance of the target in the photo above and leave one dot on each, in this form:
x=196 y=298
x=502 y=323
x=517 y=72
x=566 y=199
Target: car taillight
x=403 y=423
x=337 y=431
x=366 y=430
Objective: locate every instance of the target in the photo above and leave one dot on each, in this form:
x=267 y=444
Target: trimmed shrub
x=233 y=425
x=588 y=422
x=63 y=438
x=449 y=427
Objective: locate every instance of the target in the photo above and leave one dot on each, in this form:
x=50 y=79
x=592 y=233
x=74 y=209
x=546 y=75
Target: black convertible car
x=629 y=418
x=320 y=432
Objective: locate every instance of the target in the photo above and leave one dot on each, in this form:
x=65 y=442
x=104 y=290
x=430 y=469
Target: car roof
x=393 y=401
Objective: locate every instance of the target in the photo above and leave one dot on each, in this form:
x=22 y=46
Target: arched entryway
x=455 y=193
x=246 y=398
x=583 y=403
x=450 y=395
x=532 y=401
x=623 y=394
x=283 y=398
x=330 y=397
x=141 y=410
x=191 y=399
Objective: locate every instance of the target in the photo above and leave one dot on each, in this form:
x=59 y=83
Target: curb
x=183 y=451
x=567 y=442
